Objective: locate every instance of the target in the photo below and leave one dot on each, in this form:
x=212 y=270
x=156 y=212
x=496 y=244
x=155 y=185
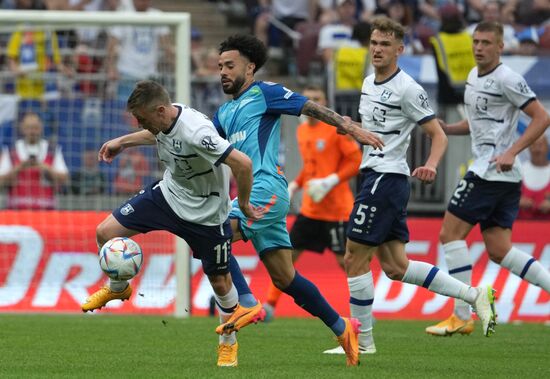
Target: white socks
x=226 y=304
x=527 y=267
x=459 y=265
x=430 y=277
x=361 y=289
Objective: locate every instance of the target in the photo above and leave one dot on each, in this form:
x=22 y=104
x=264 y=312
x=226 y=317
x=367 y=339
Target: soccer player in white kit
x=192 y=199
x=490 y=191
x=391 y=105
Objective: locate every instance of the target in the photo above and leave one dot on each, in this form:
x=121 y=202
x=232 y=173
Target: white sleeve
x=59 y=164
x=205 y=139
x=5 y=161
x=415 y=104
x=516 y=89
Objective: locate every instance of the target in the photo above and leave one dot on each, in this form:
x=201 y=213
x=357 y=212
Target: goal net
x=64 y=79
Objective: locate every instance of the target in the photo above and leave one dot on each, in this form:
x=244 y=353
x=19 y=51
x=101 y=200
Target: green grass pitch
x=104 y=346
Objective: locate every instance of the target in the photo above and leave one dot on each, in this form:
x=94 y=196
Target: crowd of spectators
x=71 y=84
x=280 y=23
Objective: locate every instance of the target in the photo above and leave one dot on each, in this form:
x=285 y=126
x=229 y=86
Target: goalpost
x=36 y=232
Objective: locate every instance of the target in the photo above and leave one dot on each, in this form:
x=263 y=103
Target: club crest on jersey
x=127 y=209
x=208 y=144
x=176 y=143
x=385 y=96
x=488 y=83
x=320 y=144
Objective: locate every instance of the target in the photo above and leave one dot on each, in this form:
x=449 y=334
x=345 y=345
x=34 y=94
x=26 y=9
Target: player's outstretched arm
x=112 y=148
x=539 y=122
x=460 y=128
x=344 y=124
x=428 y=172
x=241 y=166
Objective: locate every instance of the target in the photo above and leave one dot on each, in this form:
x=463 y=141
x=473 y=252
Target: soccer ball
x=120 y=258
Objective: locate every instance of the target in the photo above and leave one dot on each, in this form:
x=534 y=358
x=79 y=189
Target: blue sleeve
x=281 y=100
x=218 y=126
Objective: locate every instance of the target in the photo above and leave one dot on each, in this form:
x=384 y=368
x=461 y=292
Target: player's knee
x=496 y=255
x=394 y=274
x=102 y=234
x=281 y=281
x=393 y=271
x=350 y=264
x=357 y=263
x=219 y=284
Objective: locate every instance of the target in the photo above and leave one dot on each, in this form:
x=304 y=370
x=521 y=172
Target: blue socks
x=246 y=299
x=304 y=293
x=308 y=297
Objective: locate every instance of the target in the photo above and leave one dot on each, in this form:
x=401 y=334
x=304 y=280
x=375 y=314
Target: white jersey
x=195 y=184
x=493 y=102
x=392 y=109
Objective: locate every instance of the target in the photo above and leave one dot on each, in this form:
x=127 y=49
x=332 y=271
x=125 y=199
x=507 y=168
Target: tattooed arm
x=344 y=124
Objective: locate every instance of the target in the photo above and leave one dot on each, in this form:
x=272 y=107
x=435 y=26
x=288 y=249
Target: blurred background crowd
x=63 y=89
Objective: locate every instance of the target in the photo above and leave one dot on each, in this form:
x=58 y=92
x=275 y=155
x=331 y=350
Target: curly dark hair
x=247 y=45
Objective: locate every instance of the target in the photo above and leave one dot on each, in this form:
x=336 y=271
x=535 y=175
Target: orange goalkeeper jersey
x=326 y=152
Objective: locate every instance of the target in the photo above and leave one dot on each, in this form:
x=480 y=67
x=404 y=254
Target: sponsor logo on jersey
x=385 y=96
x=237 y=137
x=208 y=144
x=127 y=209
x=176 y=143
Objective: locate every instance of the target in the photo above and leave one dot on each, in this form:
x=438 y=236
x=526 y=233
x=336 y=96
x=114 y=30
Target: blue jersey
x=252 y=124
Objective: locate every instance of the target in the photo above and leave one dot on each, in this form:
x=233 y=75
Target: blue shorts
x=488 y=203
x=148 y=211
x=380 y=210
x=270 y=232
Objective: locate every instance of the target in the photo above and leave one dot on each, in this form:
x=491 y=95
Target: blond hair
x=491 y=26
x=388 y=26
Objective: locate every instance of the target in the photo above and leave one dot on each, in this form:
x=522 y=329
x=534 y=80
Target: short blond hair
x=491 y=26
x=388 y=26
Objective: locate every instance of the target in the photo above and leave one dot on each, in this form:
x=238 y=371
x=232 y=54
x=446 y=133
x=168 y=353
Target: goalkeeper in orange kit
x=329 y=161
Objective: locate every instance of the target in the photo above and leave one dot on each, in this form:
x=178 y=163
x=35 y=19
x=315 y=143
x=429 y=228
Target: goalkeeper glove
x=317 y=189
x=292 y=188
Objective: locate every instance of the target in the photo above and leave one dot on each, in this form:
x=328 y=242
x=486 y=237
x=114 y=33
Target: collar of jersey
x=245 y=91
x=490 y=72
x=388 y=79
x=175 y=120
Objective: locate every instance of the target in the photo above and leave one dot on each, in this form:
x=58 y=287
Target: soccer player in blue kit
x=251 y=123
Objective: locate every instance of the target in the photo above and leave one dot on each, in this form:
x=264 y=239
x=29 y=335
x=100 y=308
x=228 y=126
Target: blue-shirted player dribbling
x=251 y=123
